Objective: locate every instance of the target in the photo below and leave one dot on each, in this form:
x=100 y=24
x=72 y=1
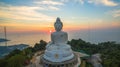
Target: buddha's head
x=58 y=25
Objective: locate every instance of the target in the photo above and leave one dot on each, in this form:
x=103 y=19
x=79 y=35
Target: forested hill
x=110 y=51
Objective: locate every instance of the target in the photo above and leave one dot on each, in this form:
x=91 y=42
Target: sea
x=25 y=38
x=92 y=36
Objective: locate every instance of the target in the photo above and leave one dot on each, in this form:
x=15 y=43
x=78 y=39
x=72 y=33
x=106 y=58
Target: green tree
x=3 y=63
x=14 y=52
x=110 y=51
x=16 y=61
x=40 y=46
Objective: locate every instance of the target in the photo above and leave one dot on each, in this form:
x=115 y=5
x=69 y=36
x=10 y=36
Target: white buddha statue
x=59 y=36
x=57 y=50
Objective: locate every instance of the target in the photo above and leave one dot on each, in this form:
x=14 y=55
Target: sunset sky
x=40 y=15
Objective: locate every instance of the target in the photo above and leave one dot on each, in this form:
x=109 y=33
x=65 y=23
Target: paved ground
x=36 y=60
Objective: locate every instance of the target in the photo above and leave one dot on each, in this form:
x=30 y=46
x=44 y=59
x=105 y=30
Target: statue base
x=69 y=63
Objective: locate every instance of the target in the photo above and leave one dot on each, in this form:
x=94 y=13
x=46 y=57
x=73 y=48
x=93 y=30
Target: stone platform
x=69 y=63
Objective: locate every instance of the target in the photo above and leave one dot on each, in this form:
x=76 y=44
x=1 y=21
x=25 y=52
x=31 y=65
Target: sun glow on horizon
x=50 y=28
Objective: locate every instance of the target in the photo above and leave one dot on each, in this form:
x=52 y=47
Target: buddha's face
x=58 y=26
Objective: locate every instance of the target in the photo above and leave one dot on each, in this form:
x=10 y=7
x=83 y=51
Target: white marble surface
x=57 y=50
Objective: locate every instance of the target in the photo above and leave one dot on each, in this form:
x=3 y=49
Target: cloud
x=79 y=1
x=115 y=13
x=23 y=13
x=53 y=8
x=103 y=2
x=48 y=2
x=97 y=2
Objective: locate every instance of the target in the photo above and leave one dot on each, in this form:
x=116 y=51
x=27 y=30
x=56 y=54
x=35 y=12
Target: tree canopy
x=110 y=51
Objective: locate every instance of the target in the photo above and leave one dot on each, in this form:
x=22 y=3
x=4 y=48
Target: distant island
x=3 y=40
x=5 y=50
